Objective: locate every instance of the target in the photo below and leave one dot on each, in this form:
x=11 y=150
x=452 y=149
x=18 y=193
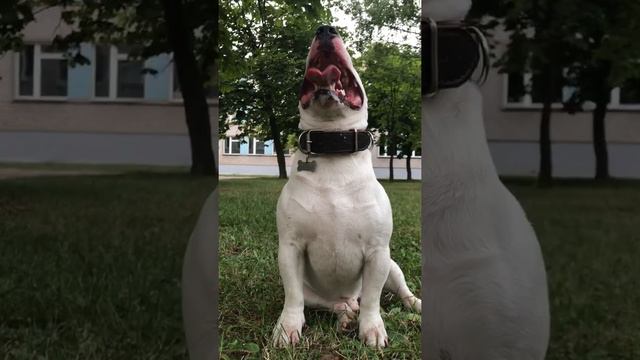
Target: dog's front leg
x=375 y=273
x=289 y=326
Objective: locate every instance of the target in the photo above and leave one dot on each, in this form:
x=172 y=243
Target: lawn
x=588 y=233
x=251 y=294
x=590 y=237
x=90 y=266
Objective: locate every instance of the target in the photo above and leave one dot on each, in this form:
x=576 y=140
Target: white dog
x=485 y=286
x=334 y=218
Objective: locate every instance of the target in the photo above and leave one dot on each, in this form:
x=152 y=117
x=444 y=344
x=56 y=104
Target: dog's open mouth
x=329 y=77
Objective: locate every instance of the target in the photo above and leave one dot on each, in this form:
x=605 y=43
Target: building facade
x=106 y=112
x=512 y=111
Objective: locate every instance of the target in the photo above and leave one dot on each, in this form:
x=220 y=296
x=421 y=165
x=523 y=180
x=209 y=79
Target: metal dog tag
x=306 y=165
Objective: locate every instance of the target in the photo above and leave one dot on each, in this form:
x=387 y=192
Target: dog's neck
x=455 y=148
x=313 y=121
x=458 y=172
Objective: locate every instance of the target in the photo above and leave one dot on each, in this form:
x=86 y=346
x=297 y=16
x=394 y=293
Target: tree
x=392 y=78
x=14 y=17
x=537 y=45
x=604 y=34
x=185 y=28
x=592 y=41
x=263 y=54
x=411 y=140
x=383 y=20
x=264 y=47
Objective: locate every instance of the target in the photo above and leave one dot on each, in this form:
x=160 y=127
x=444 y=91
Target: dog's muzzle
x=451 y=52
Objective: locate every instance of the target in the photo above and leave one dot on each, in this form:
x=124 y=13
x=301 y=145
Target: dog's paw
x=413 y=303
x=288 y=329
x=372 y=331
x=347 y=314
x=353 y=304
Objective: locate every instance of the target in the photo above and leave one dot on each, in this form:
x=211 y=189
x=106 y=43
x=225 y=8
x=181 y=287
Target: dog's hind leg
x=397 y=284
x=346 y=309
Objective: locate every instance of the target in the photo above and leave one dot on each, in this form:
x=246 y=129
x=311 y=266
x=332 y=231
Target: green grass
x=588 y=233
x=90 y=266
x=590 y=237
x=251 y=294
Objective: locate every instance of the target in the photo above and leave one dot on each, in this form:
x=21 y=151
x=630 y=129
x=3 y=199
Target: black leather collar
x=334 y=142
x=451 y=52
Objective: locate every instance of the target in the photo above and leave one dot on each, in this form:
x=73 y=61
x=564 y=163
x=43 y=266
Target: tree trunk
x=545 y=171
x=600 y=140
x=603 y=96
x=409 y=177
x=277 y=144
x=191 y=85
x=392 y=153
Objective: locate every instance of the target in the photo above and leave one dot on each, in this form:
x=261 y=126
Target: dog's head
x=332 y=96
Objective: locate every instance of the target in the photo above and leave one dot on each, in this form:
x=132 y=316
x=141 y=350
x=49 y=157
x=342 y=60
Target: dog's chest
x=344 y=203
x=336 y=226
x=334 y=212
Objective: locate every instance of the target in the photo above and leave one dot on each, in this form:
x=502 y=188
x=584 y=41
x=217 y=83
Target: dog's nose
x=324 y=34
x=326 y=30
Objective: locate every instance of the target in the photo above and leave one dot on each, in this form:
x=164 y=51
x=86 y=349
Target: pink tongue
x=323 y=78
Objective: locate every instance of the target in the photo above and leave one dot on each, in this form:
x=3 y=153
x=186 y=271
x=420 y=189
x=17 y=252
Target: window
x=522 y=92
x=538 y=90
x=232 y=145
x=26 y=71
x=630 y=93
x=42 y=72
x=247 y=146
x=209 y=90
x=116 y=75
x=516 y=90
x=526 y=89
x=256 y=147
x=102 y=66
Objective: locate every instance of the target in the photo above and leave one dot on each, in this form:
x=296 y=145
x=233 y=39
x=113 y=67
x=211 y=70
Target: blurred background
x=563 y=99
x=106 y=157
x=108 y=83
